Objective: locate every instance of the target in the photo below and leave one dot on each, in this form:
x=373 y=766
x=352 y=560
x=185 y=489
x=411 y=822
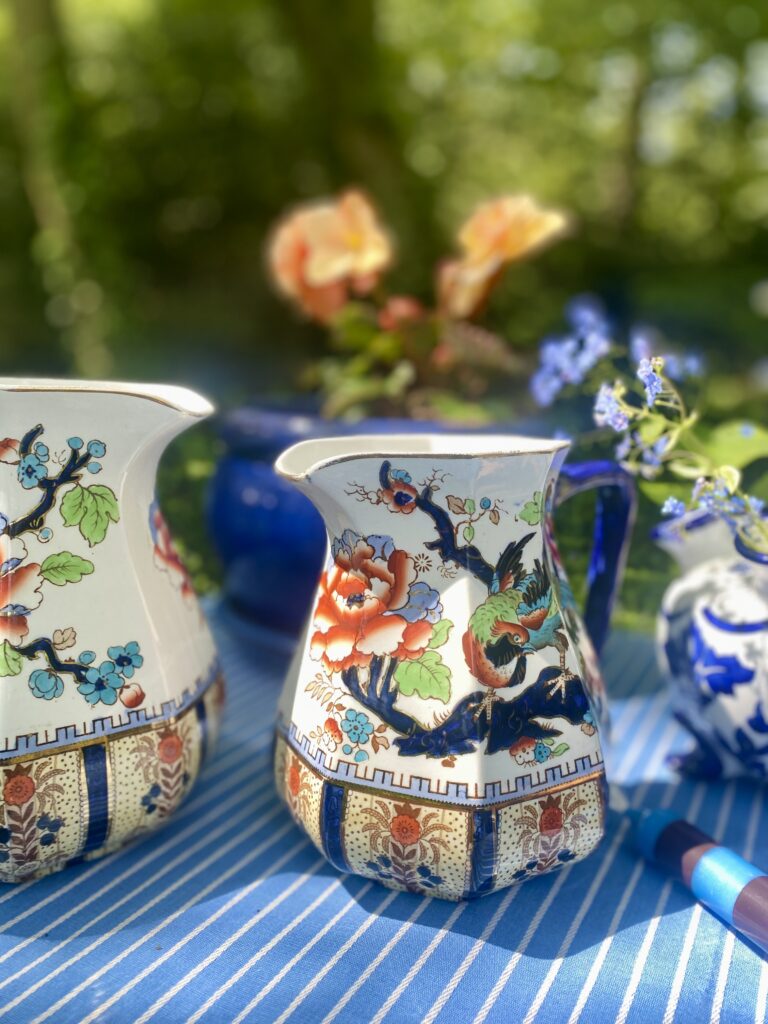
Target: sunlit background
x=147 y=146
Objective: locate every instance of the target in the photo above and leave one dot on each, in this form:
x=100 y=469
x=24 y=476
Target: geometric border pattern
x=76 y=736
x=544 y=779
x=484 y=856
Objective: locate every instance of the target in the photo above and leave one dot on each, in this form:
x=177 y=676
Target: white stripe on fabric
x=650 y=932
x=693 y=925
x=196 y=899
x=297 y=957
x=219 y=950
x=264 y=950
x=634 y=878
x=165 y=892
x=415 y=967
x=237 y=898
x=381 y=955
x=622 y=727
x=224 y=829
x=370 y=919
x=618 y=840
x=730 y=938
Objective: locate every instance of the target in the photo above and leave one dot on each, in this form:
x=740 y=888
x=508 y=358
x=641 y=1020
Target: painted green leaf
x=11 y=662
x=532 y=510
x=560 y=749
x=428 y=676
x=65 y=567
x=469 y=505
x=441 y=632
x=468 y=533
x=91 y=509
x=72 y=506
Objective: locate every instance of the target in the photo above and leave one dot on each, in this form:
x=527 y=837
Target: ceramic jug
x=439 y=728
x=109 y=683
x=712 y=645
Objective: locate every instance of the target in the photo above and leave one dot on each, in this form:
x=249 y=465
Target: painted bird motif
x=519 y=617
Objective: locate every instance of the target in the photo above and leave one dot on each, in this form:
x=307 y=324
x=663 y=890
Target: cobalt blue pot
x=268 y=536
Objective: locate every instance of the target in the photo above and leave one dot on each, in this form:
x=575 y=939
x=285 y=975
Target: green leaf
x=469 y=505
x=73 y=506
x=91 y=509
x=532 y=510
x=65 y=568
x=427 y=676
x=468 y=533
x=440 y=632
x=736 y=443
x=560 y=749
x=11 y=662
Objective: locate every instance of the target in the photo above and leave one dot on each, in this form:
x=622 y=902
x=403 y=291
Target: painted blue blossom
x=101 y=684
x=31 y=471
x=94 y=467
x=46 y=685
x=127 y=659
x=148 y=800
x=541 y=752
x=48 y=824
x=75 y=442
x=87 y=657
x=673 y=507
x=423 y=603
x=608 y=411
x=485 y=503
x=45 y=534
x=356 y=726
x=97 y=449
x=41 y=451
x=647 y=372
x=401 y=475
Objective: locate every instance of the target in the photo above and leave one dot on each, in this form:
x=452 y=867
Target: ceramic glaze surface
x=439 y=726
x=108 y=677
x=712 y=642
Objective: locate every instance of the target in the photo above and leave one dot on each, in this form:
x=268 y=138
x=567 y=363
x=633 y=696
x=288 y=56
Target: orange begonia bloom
x=320 y=253
x=498 y=232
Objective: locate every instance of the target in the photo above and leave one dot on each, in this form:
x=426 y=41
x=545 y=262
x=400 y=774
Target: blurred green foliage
x=146 y=146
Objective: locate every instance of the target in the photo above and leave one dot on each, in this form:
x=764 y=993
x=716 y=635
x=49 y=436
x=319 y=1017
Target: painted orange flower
x=320 y=253
x=9 y=450
x=170 y=748
x=405 y=829
x=498 y=232
x=363 y=607
x=294 y=779
x=551 y=817
x=333 y=729
x=400 y=497
x=19 y=589
x=19 y=786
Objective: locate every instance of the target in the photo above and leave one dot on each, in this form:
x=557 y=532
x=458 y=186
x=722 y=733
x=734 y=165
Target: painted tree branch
x=468 y=557
x=70 y=473
x=46 y=648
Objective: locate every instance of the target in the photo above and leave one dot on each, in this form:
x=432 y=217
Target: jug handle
x=615 y=511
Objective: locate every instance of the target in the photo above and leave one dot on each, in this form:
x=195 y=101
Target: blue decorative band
x=95 y=765
x=719 y=877
x=202 y=721
x=331 y=814
x=483 y=857
x=735 y=627
x=75 y=735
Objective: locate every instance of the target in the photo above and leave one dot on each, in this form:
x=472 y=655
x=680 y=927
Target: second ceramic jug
x=439 y=728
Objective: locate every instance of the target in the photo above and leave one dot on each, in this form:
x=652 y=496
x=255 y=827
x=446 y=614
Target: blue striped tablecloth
x=230 y=915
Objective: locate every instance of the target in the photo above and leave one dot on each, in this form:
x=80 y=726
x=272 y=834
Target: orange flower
x=405 y=829
x=170 y=747
x=19 y=787
x=320 y=253
x=498 y=232
x=551 y=818
x=333 y=729
x=356 y=616
x=294 y=778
